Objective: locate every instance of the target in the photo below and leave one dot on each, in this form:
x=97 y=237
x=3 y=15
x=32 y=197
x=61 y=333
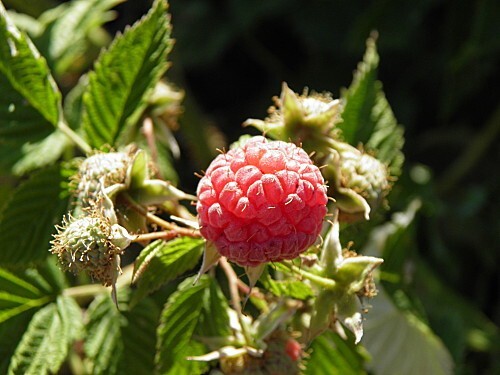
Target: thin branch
x=70 y=133
x=232 y=279
x=159 y=221
x=164 y=235
x=318 y=280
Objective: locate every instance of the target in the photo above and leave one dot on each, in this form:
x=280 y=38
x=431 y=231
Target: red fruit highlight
x=262 y=202
x=293 y=349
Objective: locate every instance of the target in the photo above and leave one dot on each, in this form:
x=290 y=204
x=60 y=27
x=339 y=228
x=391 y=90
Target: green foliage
x=119 y=341
x=27 y=71
x=330 y=354
x=27 y=221
x=390 y=334
x=129 y=69
x=178 y=321
x=18 y=296
x=292 y=288
x=21 y=295
x=45 y=343
x=214 y=317
x=66 y=34
x=21 y=125
x=41 y=154
x=367 y=117
x=398 y=327
x=163 y=261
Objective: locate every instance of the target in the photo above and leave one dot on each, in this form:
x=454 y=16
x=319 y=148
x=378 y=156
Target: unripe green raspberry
x=93 y=244
x=100 y=171
x=365 y=175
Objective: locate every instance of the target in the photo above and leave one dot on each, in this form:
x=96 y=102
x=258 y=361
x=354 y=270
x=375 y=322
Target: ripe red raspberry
x=293 y=349
x=264 y=201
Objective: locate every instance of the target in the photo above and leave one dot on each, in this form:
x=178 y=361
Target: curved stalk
x=318 y=280
x=235 y=297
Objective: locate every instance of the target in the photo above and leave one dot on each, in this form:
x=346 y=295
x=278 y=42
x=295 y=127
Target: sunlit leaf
x=45 y=343
x=390 y=334
x=331 y=354
x=214 y=319
x=367 y=117
x=178 y=321
x=290 y=288
x=124 y=76
x=120 y=341
x=163 y=261
x=27 y=71
x=18 y=296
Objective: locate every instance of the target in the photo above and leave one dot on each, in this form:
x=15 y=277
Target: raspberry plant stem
x=164 y=235
x=318 y=280
x=159 y=221
x=79 y=141
x=232 y=279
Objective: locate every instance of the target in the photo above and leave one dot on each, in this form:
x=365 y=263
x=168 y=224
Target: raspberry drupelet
x=262 y=202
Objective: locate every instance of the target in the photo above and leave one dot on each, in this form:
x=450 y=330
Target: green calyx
x=305 y=119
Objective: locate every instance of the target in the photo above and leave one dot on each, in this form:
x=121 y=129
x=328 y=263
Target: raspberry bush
x=115 y=260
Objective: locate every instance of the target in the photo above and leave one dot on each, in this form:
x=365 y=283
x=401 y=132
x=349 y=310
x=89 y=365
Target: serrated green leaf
x=45 y=343
x=41 y=154
x=20 y=124
x=178 y=321
x=359 y=99
x=103 y=344
x=14 y=329
x=27 y=71
x=47 y=277
x=139 y=336
x=387 y=138
x=18 y=296
x=27 y=221
x=163 y=261
x=73 y=103
x=286 y=288
x=367 y=116
x=214 y=319
x=120 y=341
x=124 y=76
x=332 y=355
